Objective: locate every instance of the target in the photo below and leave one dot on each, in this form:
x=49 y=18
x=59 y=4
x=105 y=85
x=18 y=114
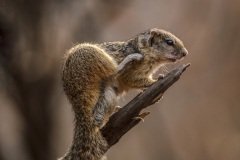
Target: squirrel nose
x=184 y=52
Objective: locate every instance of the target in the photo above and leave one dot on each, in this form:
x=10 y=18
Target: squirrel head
x=162 y=45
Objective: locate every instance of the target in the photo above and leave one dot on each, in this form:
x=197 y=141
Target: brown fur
x=151 y=44
x=83 y=73
x=95 y=74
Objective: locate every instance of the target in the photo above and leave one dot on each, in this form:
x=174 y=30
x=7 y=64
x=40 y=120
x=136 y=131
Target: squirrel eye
x=169 y=42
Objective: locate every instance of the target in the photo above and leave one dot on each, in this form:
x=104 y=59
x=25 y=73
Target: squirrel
x=95 y=75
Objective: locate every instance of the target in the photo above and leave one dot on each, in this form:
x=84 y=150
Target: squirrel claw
x=161 y=76
x=141 y=116
x=117 y=108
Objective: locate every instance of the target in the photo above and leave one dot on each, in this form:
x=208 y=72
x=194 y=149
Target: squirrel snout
x=184 y=52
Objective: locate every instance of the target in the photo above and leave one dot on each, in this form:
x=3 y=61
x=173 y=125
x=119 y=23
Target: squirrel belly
x=87 y=73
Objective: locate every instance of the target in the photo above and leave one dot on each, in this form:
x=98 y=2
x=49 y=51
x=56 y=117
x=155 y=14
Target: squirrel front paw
x=135 y=57
x=128 y=60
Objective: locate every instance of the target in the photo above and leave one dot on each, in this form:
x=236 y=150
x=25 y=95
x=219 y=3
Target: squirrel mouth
x=172 y=59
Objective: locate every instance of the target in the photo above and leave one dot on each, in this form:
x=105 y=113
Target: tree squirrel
x=94 y=75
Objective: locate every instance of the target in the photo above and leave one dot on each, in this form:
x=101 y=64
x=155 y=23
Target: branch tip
x=185 y=66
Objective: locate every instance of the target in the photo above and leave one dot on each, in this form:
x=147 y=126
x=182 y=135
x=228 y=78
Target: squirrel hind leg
x=105 y=106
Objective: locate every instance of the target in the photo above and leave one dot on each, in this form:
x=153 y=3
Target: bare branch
x=129 y=116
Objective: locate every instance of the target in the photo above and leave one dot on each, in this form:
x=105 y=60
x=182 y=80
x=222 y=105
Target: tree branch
x=129 y=116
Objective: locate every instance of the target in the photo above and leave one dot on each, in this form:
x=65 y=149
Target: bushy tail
x=88 y=142
x=86 y=66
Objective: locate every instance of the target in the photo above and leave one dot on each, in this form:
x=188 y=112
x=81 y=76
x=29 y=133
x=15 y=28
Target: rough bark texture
x=129 y=116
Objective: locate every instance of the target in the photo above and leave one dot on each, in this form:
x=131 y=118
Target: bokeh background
x=197 y=119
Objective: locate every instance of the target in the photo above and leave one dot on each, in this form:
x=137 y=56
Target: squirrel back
x=86 y=69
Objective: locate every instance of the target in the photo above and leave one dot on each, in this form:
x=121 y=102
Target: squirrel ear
x=153 y=32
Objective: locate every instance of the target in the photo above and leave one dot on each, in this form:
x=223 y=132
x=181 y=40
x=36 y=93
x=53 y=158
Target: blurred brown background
x=198 y=117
